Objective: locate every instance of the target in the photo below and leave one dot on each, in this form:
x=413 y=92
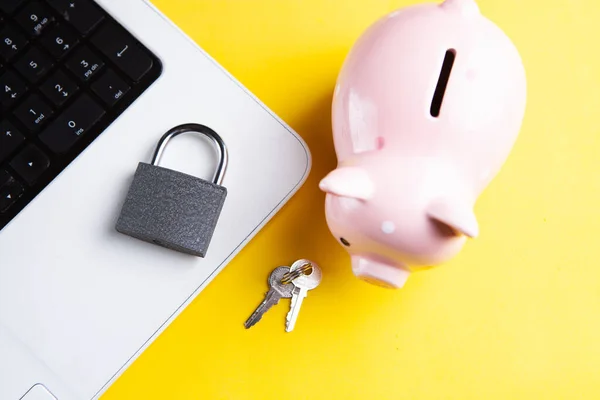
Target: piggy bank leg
x=379 y=273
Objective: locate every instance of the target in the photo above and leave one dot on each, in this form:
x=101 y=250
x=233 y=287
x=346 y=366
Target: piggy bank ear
x=457 y=216
x=353 y=182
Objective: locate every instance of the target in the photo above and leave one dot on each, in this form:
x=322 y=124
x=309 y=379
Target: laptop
x=87 y=88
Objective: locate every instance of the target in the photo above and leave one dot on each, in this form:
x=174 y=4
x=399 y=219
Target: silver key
x=277 y=291
x=302 y=284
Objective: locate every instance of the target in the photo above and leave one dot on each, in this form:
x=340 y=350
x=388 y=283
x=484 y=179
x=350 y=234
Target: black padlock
x=172 y=209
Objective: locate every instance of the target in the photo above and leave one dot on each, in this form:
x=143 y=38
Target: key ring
x=305 y=269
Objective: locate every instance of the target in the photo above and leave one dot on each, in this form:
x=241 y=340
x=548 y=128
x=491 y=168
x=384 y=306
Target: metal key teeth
x=293 y=302
x=277 y=291
x=304 y=282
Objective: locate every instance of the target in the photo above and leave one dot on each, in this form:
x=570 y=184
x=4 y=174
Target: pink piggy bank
x=427 y=108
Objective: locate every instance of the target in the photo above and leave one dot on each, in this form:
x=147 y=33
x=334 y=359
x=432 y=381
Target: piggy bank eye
x=345 y=242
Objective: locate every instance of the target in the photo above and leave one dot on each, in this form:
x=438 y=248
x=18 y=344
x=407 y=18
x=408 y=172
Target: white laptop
x=87 y=89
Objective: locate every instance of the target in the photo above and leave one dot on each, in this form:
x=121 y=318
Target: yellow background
x=515 y=316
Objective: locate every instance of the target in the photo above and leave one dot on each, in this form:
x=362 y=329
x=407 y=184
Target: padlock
x=172 y=209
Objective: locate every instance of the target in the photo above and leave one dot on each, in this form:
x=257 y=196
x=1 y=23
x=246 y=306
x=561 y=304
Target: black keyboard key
x=58 y=88
x=110 y=88
x=4 y=177
x=33 y=112
x=35 y=17
x=10 y=140
x=30 y=164
x=9 y=6
x=11 y=88
x=10 y=191
x=34 y=65
x=77 y=120
x=59 y=41
x=82 y=14
x=119 y=46
x=85 y=64
x=11 y=42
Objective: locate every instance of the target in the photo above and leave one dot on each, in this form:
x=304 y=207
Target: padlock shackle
x=204 y=130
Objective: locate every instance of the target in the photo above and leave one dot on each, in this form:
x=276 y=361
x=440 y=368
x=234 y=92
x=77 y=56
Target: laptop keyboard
x=68 y=70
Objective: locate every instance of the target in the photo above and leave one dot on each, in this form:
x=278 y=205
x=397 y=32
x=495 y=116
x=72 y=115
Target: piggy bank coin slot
x=440 y=90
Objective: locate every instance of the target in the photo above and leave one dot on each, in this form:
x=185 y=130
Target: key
x=11 y=42
x=11 y=88
x=119 y=46
x=58 y=88
x=302 y=285
x=59 y=41
x=82 y=14
x=85 y=64
x=34 y=64
x=4 y=177
x=10 y=139
x=10 y=191
x=77 y=120
x=110 y=88
x=9 y=6
x=276 y=292
x=30 y=164
x=35 y=17
x=33 y=112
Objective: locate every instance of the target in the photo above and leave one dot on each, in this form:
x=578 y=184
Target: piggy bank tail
x=456 y=216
